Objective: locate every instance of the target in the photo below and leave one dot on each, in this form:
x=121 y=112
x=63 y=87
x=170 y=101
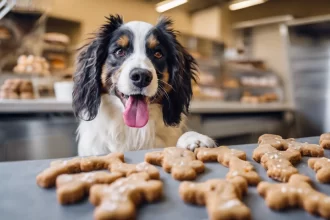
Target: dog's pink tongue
x=136 y=112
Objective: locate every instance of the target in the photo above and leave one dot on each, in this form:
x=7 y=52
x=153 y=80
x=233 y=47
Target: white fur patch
x=191 y=140
x=138 y=59
x=108 y=132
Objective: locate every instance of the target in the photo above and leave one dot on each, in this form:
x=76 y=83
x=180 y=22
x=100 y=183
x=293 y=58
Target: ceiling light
x=169 y=4
x=244 y=4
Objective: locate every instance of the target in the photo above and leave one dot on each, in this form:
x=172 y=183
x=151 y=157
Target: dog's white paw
x=191 y=140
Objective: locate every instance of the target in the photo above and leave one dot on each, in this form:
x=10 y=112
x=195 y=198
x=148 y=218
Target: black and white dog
x=132 y=89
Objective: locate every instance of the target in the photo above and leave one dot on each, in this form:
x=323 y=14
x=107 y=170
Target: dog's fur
x=103 y=84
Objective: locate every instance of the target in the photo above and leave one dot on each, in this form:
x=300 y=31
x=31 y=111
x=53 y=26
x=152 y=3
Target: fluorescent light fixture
x=236 y=5
x=169 y=4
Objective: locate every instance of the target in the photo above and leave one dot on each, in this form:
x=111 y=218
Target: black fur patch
x=181 y=67
x=87 y=79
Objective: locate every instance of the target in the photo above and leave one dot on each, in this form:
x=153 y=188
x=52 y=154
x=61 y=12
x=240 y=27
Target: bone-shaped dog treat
x=128 y=169
x=222 y=198
x=118 y=201
x=47 y=178
x=322 y=168
x=305 y=149
x=72 y=188
x=180 y=162
x=232 y=158
x=279 y=164
x=297 y=192
x=325 y=140
x=221 y=154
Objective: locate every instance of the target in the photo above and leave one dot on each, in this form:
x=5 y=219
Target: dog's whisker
x=167 y=84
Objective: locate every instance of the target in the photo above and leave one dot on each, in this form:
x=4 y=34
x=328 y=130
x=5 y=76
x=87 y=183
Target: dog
x=132 y=89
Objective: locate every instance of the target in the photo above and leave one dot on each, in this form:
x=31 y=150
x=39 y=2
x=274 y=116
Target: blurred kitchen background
x=264 y=67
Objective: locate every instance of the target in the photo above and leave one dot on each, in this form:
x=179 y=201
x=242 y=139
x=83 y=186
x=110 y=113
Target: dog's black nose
x=140 y=77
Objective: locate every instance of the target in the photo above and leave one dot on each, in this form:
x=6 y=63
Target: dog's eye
x=158 y=55
x=120 y=52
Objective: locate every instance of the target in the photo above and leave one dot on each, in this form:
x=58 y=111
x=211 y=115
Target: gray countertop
x=21 y=198
x=196 y=106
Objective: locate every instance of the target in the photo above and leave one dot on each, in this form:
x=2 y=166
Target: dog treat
x=305 y=149
x=72 y=188
x=222 y=198
x=322 y=168
x=180 y=162
x=118 y=201
x=221 y=154
x=325 y=140
x=297 y=192
x=128 y=169
x=232 y=158
x=245 y=169
x=47 y=178
x=275 y=140
x=100 y=162
x=279 y=164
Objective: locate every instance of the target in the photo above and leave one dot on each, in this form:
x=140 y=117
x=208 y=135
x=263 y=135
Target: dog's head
x=140 y=64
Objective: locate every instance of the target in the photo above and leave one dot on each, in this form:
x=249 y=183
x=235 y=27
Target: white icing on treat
x=284 y=189
x=229 y=204
x=88 y=177
x=66 y=178
x=142 y=166
x=110 y=206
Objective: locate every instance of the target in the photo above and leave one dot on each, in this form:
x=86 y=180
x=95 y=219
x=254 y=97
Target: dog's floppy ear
x=182 y=68
x=87 y=78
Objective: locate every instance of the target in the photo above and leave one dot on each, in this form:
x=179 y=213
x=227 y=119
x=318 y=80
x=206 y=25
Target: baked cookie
x=232 y=158
x=298 y=192
x=305 y=149
x=118 y=201
x=222 y=198
x=72 y=188
x=325 y=140
x=221 y=154
x=279 y=164
x=47 y=178
x=180 y=162
x=322 y=168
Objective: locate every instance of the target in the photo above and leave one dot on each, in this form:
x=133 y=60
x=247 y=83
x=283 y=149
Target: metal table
x=21 y=198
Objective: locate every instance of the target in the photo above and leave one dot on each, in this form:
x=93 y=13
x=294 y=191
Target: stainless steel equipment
x=309 y=50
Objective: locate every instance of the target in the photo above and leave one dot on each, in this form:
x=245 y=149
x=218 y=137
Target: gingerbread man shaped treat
x=305 y=149
x=322 y=168
x=180 y=162
x=47 y=178
x=298 y=192
x=113 y=162
x=279 y=164
x=221 y=154
x=118 y=201
x=222 y=198
x=128 y=169
x=325 y=140
x=72 y=188
x=232 y=158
